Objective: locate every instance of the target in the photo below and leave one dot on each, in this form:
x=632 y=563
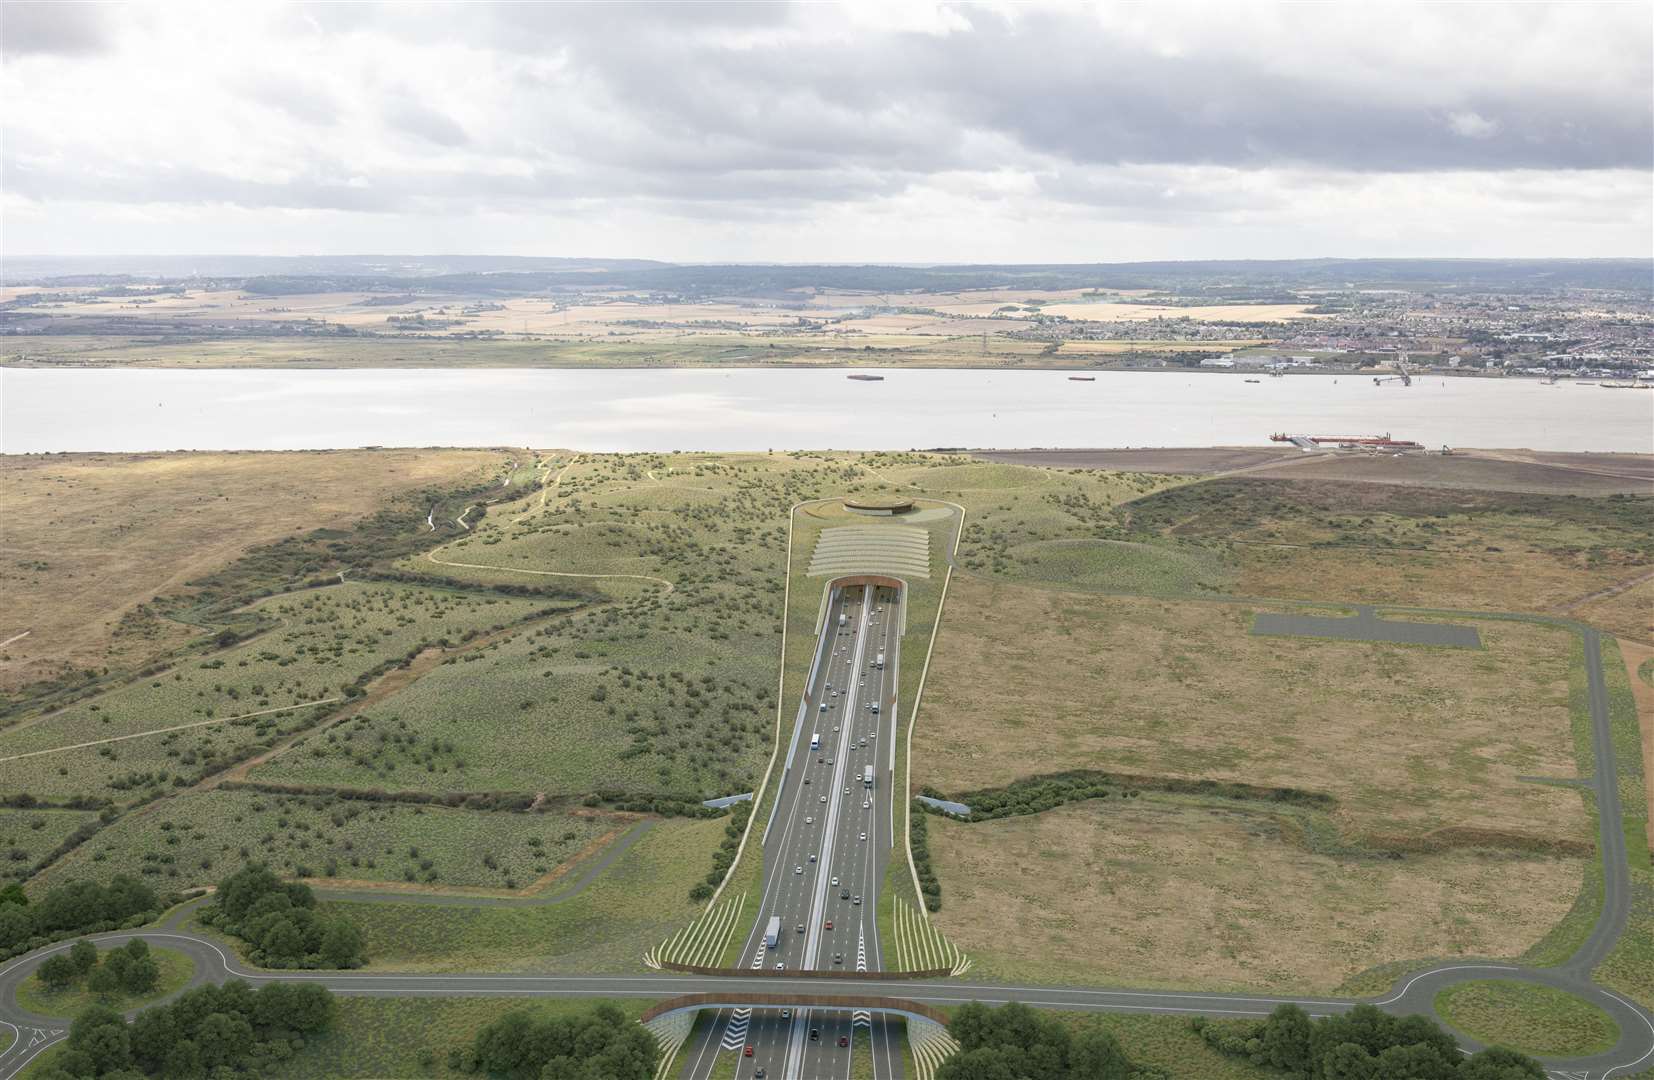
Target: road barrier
x=770 y=973
x=792 y=1001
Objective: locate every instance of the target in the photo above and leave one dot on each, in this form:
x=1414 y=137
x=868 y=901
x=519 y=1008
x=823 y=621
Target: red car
x=829 y=924
x=748 y=1051
x=844 y=1040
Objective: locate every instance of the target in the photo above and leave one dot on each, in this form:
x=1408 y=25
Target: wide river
x=756 y=409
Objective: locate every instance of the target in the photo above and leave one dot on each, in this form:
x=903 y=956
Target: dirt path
x=175 y=727
x=15 y=637
x=1635 y=656
x=1603 y=594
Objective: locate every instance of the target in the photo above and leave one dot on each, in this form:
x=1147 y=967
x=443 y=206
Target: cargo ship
x=866 y=378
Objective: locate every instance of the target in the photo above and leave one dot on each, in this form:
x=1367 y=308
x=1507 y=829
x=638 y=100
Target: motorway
x=780 y=1045
x=826 y=847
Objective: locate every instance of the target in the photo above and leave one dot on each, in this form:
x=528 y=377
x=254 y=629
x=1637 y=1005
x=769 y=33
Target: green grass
x=27 y=836
x=1628 y=754
x=1528 y=1017
x=176 y=971
x=630 y=907
x=326 y=640
x=1629 y=968
x=412 y=1037
x=198 y=838
x=1116 y=566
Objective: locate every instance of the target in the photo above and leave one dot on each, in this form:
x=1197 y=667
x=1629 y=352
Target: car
x=829 y=925
x=867 y=804
x=844 y=1040
x=821 y=761
x=864 y=836
x=815 y=1034
x=800 y=928
x=857 y=901
x=798 y=869
x=835 y=883
x=863 y=743
x=835 y=727
x=838 y=958
x=829 y=761
x=823 y=798
x=806 y=779
x=786 y=1014
x=872 y=734
x=759 y=1073
x=844 y=895
x=810 y=820
x=847 y=791
x=812 y=856
x=779 y=966
x=748 y=1051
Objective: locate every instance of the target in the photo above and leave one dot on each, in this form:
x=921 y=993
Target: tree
x=104 y=981
x=84 y=954
x=1499 y=1063
x=1096 y=1055
x=142 y=972
x=57 y=972
x=100 y=1033
x=341 y=944
x=223 y=1038
x=1286 y=1039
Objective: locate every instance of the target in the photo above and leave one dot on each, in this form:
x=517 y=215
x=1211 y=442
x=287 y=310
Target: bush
x=80 y=907
x=279 y=921
x=919 y=842
x=225 y=1031
x=1016 y=1041
x=601 y=1045
x=1366 y=1041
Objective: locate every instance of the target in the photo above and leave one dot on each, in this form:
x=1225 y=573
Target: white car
x=867 y=804
x=824 y=798
x=864 y=836
x=835 y=881
x=810 y=820
x=847 y=791
x=798 y=869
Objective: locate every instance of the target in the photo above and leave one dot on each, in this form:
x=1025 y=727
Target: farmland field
x=629 y=908
x=90 y=538
x=1407 y=739
x=199 y=838
x=325 y=641
x=1172 y=892
x=27 y=836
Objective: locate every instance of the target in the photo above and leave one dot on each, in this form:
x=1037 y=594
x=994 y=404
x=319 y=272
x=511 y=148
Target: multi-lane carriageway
x=826 y=847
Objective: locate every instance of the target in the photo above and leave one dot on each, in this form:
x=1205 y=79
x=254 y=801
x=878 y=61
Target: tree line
x=1365 y=1043
x=218 y=1031
x=1015 y=1042
x=279 y=922
x=129 y=969
x=80 y=907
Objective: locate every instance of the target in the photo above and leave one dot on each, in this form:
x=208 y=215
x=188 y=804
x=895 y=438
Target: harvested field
x=1157 y=892
x=1409 y=740
x=199 y=838
x=89 y=537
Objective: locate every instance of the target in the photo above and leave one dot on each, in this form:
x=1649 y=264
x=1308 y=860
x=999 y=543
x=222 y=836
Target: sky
x=878 y=132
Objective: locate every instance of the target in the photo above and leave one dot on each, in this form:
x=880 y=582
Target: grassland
x=1527 y=1017
x=1178 y=892
x=607 y=927
x=157 y=732
x=176 y=970
x=412 y=1037
x=198 y=838
x=91 y=538
x=1386 y=543
x=1409 y=740
x=28 y=836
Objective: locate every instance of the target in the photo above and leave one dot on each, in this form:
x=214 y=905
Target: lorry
x=879 y=663
x=843 y=619
x=867 y=776
x=772 y=935
x=815 y=740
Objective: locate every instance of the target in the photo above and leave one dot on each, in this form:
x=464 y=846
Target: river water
x=757 y=409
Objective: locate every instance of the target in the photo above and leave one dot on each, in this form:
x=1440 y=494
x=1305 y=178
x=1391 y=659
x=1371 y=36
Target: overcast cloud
x=878 y=131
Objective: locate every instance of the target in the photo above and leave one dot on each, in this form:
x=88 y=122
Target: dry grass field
x=1407 y=739
x=1110 y=312
x=1173 y=894
x=86 y=538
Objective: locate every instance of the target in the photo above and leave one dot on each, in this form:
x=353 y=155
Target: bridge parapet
x=849 y=1002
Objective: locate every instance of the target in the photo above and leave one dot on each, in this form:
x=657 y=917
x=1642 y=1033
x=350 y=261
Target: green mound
x=1527 y=1017
x=1117 y=566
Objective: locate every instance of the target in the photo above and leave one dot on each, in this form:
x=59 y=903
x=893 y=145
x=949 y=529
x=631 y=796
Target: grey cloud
x=303 y=102
x=414 y=118
x=53 y=28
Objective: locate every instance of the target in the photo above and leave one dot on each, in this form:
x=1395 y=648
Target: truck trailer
x=772 y=935
x=867 y=776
